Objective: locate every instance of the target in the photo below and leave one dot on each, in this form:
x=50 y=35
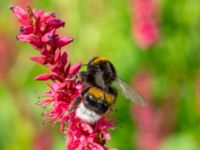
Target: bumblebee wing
x=129 y=92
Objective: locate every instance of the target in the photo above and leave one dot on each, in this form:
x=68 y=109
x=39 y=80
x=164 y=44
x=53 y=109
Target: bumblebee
x=99 y=94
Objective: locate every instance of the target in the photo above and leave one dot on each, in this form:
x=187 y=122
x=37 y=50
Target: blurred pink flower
x=39 y=29
x=7 y=56
x=43 y=140
x=154 y=124
x=145 y=24
x=198 y=90
x=145 y=117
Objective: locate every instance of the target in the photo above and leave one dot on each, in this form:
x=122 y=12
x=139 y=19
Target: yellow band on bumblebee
x=102 y=95
x=98 y=60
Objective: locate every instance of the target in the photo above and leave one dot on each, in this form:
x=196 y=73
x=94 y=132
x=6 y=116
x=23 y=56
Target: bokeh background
x=155 y=46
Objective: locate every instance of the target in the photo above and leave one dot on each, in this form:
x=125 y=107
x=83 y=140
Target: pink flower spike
x=40 y=30
x=145 y=23
x=44 y=76
x=21 y=15
x=60 y=42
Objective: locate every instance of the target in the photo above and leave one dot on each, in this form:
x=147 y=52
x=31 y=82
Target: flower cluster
x=39 y=29
x=89 y=137
x=145 y=26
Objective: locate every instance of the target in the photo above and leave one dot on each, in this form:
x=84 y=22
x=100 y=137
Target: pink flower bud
x=44 y=76
x=64 y=58
x=56 y=23
x=21 y=15
x=48 y=37
x=57 y=56
x=38 y=59
x=74 y=69
x=60 y=42
x=26 y=29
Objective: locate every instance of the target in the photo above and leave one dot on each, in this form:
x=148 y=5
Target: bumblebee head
x=101 y=65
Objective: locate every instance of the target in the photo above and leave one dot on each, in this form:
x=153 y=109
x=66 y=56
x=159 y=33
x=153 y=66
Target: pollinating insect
x=99 y=94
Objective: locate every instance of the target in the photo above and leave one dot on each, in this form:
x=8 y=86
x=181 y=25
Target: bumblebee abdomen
x=102 y=95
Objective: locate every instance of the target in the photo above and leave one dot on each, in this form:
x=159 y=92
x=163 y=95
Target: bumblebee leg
x=74 y=105
x=84 y=76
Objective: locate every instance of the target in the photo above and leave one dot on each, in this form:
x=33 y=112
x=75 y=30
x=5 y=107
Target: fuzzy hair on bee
x=86 y=114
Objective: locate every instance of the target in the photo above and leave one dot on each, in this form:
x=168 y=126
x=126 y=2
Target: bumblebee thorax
x=102 y=70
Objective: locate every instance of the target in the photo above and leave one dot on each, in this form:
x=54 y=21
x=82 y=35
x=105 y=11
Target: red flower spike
x=39 y=29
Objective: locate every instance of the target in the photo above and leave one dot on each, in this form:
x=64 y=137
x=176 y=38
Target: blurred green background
x=166 y=73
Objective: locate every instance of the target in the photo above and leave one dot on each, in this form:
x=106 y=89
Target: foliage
x=105 y=28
